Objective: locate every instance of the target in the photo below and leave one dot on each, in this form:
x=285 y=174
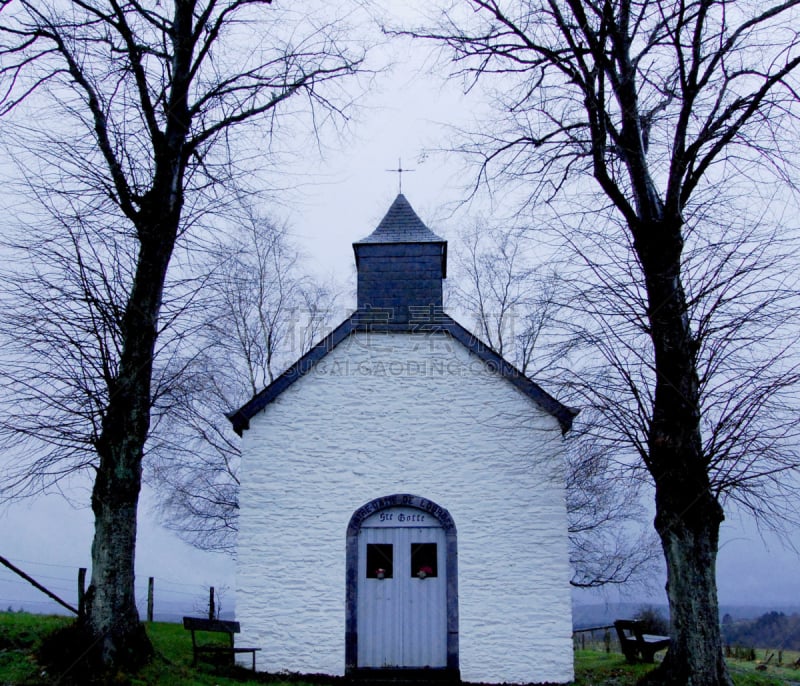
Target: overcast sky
x=342 y=196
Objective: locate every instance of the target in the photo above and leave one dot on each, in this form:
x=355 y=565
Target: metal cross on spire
x=399 y=171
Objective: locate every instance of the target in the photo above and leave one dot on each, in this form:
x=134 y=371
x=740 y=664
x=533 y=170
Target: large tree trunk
x=689 y=538
x=688 y=516
x=111 y=614
x=112 y=617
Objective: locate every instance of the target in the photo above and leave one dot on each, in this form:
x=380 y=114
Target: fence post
x=81 y=592
x=150 y=584
x=211 y=609
x=607 y=640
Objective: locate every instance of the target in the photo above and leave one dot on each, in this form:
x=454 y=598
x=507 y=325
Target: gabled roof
x=401 y=225
x=364 y=321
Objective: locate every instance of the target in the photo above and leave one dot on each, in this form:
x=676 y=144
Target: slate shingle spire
x=401 y=266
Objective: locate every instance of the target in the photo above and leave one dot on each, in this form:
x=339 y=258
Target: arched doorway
x=402 y=587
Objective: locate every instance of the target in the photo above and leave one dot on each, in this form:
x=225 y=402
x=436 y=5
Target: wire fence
x=163 y=598
x=596 y=638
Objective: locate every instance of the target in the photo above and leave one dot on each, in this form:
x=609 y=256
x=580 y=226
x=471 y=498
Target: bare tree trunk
x=112 y=617
x=688 y=515
x=690 y=548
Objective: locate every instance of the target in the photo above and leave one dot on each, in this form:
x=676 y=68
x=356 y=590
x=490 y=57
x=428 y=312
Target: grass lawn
x=747 y=672
x=598 y=668
x=21 y=635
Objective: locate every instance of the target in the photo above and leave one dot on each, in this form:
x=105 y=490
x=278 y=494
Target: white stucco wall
x=405 y=413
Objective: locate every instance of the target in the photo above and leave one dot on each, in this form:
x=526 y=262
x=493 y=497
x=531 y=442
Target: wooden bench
x=222 y=626
x=637 y=646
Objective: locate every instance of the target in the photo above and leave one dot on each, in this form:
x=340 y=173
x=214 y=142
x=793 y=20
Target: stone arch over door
x=442 y=527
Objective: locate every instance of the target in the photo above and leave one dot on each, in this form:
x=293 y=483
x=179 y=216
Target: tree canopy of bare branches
x=672 y=108
x=511 y=302
x=136 y=108
x=260 y=312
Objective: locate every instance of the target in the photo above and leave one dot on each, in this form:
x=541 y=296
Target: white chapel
x=402 y=505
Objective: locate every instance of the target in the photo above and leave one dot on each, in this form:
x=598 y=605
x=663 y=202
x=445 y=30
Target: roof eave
x=362 y=321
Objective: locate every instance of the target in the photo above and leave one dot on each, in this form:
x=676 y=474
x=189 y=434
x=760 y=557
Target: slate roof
x=361 y=321
x=401 y=225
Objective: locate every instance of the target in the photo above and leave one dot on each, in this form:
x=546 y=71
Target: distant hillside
x=604 y=614
x=771 y=630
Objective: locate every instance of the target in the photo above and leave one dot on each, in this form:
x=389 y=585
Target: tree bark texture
x=688 y=515
x=690 y=548
x=112 y=617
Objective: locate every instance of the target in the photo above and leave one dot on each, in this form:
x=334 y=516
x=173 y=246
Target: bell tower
x=400 y=266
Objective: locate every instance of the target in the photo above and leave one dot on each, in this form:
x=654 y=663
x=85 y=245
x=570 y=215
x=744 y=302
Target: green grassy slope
x=21 y=634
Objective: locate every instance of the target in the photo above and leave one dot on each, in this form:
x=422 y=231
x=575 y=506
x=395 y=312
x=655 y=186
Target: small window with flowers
x=380 y=560
x=423 y=560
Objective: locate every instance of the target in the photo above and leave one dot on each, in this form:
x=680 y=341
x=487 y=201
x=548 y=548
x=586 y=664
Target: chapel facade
x=402 y=503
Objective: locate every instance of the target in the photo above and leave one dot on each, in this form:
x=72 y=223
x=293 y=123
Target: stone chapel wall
x=406 y=413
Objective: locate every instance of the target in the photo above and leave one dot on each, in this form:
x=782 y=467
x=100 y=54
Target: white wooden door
x=402 y=617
